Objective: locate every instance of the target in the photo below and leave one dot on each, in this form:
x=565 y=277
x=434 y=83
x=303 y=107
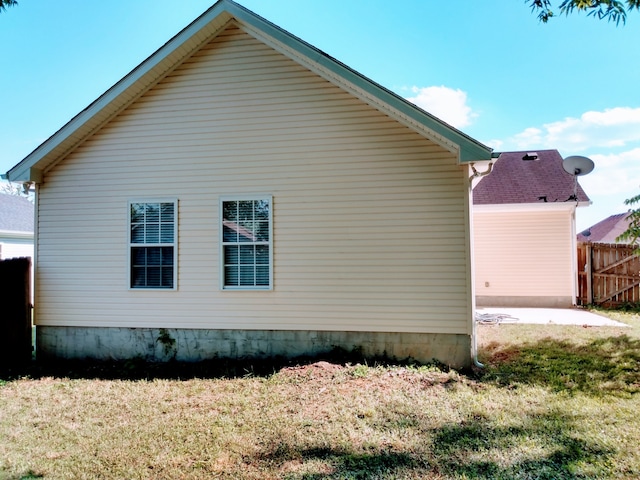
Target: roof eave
x=16 y=235
x=520 y=207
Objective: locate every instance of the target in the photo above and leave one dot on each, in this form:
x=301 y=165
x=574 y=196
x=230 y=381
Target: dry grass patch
x=553 y=403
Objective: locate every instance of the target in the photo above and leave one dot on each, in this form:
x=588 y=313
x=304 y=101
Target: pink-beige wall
x=524 y=256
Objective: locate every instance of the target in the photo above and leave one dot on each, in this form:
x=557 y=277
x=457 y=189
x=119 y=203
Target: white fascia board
x=4 y=234
x=525 y=207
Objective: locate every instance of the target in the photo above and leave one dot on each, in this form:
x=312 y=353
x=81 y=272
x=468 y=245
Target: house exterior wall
x=368 y=216
x=16 y=247
x=524 y=257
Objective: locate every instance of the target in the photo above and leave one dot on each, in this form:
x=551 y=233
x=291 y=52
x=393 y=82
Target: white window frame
x=222 y=243
x=131 y=245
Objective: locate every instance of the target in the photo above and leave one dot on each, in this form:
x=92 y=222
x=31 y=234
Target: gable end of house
x=191 y=39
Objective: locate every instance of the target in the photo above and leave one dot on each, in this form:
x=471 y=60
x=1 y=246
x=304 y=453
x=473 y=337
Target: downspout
x=474 y=337
x=34 y=266
x=477 y=174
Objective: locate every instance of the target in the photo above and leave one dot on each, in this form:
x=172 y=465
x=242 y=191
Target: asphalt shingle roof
x=607 y=230
x=515 y=180
x=16 y=213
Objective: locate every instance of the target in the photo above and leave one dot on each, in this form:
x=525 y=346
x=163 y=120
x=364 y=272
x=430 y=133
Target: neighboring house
x=607 y=230
x=524 y=232
x=16 y=227
x=241 y=193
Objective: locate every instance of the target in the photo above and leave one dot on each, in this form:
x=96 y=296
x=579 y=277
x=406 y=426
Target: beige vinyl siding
x=523 y=253
x=368 y=216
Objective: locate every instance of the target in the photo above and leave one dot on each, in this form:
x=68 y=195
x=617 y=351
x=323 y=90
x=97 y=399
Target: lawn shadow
x=609 y=365
x=215 y=368
x=534 y=446
x=30 y=475
x=342 y=463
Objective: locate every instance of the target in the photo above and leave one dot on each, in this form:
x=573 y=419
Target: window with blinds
x=152 y=244
x=246 y=243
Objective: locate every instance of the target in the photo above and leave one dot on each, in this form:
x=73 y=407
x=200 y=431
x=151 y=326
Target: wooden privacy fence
x=15 y=313
x=608 y=274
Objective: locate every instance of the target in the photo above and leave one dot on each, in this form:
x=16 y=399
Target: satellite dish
x=577 y=165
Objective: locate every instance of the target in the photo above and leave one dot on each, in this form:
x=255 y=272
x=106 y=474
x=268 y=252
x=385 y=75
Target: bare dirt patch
x=321 y=370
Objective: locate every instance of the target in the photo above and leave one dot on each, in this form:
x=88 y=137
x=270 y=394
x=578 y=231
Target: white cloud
x=614 y=116
x=629 y=159
x=614 y=174
x=528 y=137
x=615 y=178
x=495 y=144
x=615 y=182
x=448 y=104
x=611 y=128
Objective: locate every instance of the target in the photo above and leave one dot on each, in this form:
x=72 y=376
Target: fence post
x=589 y=271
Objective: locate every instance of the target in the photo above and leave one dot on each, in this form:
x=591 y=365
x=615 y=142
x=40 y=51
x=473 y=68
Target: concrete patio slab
x=546 y=316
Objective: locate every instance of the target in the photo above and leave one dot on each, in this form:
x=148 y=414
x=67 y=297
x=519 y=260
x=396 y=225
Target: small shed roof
x=528 y=177
x=16 y=214
x=607 y=230
x=190 y=40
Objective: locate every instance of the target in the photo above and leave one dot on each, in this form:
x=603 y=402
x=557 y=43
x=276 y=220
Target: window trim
x=221 y=263
x=130 y=244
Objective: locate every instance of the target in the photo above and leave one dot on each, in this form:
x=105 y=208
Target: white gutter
x=16 y=234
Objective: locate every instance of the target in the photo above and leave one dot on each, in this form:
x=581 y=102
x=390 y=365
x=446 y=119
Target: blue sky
x=489 y=68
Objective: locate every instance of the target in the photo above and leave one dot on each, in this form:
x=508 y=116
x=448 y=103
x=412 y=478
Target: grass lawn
x=553 y=403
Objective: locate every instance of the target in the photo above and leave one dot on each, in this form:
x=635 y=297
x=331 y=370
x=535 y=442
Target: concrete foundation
x=524 y=301
x=153 y=344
